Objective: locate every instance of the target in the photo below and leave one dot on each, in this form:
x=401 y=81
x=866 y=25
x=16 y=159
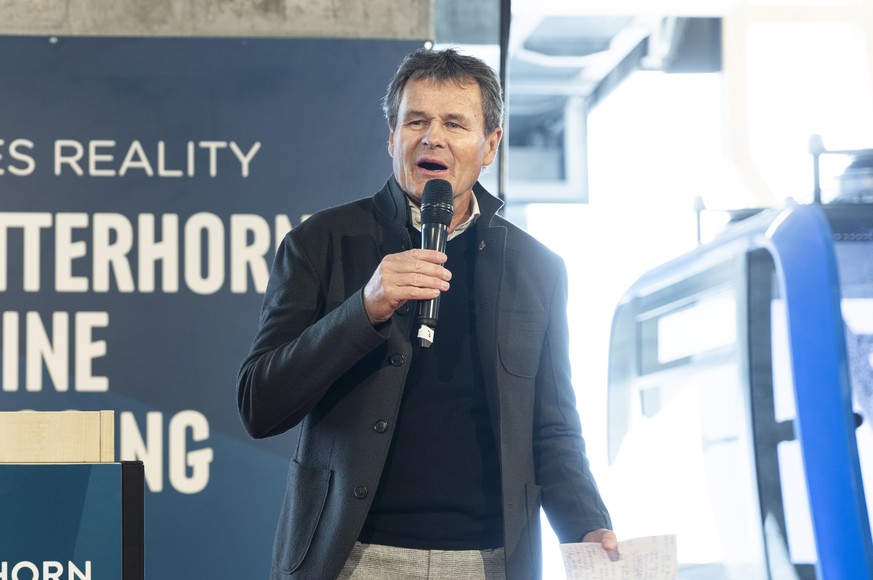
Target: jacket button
x=361 y=492
x=380 y=426
x=403 y=310
x=397 y=359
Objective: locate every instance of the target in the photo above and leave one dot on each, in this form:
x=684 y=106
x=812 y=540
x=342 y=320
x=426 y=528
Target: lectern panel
x=71 y=520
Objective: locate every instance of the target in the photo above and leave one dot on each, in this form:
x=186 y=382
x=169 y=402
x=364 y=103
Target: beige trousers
x=375 y=562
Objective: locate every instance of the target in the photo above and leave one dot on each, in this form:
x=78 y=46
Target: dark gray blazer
x=316 y=359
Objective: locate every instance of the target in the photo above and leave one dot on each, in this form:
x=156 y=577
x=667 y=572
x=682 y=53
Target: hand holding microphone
x=436 y=216
x=414 y=274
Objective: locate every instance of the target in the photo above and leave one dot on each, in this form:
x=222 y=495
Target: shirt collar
x=415 y=217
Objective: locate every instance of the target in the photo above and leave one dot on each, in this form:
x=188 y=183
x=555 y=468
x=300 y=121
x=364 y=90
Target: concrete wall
x=394 y=19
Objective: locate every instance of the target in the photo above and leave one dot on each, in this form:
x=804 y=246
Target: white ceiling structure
x=575 y=46
x=585 y=48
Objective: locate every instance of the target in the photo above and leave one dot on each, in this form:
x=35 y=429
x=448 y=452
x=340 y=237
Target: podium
x=67 y=509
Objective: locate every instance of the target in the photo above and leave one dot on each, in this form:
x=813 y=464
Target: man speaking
x=422 y=458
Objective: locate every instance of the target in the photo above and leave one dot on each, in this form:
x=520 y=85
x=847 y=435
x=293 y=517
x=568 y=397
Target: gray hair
x=444 y=66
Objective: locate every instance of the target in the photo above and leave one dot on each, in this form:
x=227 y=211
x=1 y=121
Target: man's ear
x=493 y=141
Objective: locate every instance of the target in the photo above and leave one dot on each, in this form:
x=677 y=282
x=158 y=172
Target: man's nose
x=435 y=135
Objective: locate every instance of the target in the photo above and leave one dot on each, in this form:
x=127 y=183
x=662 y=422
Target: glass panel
x=688 y=469
x=680 y=333
x=792 y=475
x=855 y=262
x=686 y=465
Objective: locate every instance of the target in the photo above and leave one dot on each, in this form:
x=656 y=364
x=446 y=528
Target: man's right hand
x=411 y=275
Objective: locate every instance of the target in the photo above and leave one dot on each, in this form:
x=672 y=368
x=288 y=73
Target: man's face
x=440 y=134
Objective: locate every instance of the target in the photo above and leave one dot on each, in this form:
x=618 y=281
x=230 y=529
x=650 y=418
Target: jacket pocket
x=520 y=341
x=305 y=496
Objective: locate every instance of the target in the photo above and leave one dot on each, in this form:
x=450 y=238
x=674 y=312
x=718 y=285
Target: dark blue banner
x=144 y=185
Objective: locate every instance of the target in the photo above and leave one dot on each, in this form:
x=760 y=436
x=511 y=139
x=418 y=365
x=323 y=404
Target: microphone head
x=436 y=203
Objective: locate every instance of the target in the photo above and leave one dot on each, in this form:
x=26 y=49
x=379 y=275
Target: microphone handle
x=433 y=237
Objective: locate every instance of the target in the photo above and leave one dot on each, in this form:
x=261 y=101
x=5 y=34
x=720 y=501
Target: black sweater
x=440 y=488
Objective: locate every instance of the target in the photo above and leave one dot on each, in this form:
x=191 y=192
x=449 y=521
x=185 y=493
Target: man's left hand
x=605 y=538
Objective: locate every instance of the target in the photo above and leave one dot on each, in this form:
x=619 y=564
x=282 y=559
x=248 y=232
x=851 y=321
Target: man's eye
x=453 y=126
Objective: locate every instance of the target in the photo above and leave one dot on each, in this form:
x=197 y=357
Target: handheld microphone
x=436 y=216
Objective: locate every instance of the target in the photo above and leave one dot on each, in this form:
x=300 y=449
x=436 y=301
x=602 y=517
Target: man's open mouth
x=431 y=166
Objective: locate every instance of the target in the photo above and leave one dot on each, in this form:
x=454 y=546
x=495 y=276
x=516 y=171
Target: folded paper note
x=647 y=558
